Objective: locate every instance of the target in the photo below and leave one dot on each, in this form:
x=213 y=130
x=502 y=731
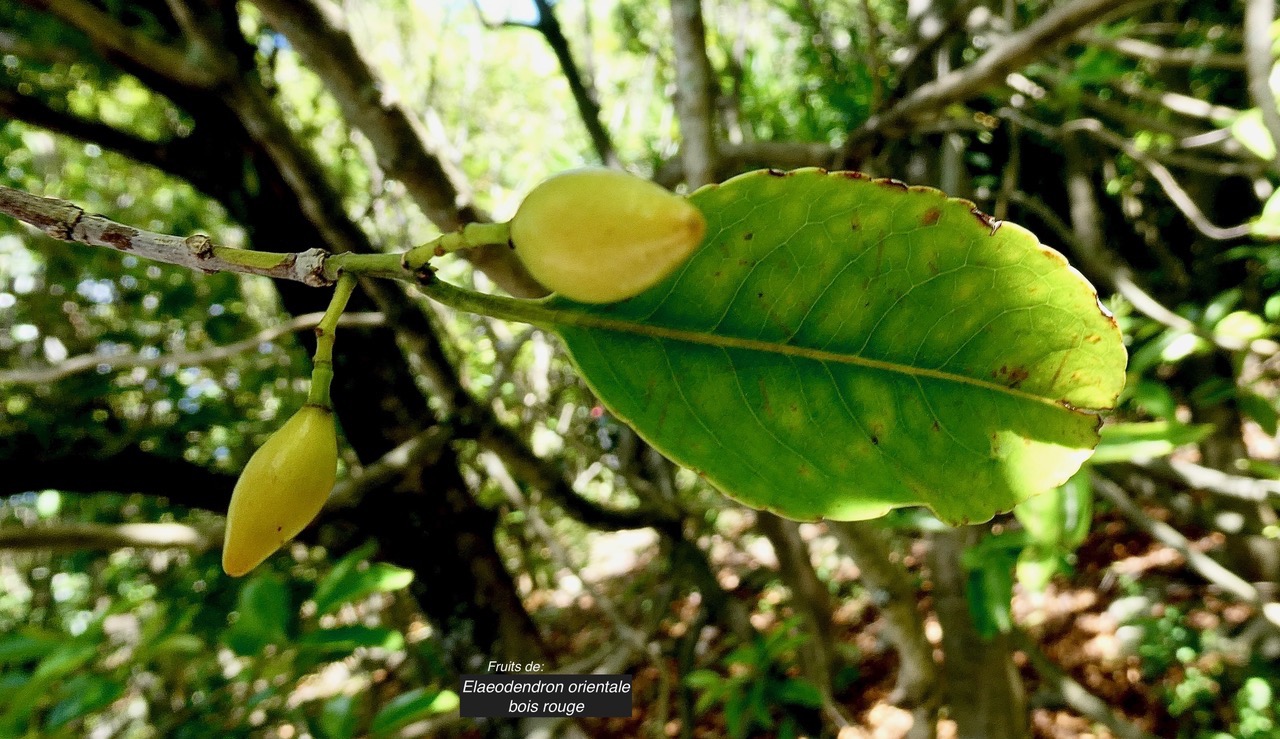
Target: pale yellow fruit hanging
x=599 y=235
x=281 y=490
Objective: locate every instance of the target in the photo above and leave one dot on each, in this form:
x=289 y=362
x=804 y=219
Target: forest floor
x=1113 y=626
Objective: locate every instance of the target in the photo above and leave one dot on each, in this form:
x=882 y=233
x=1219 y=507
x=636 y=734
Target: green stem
x=471 y=236
x=407 y=265
x=326 y=332
x=536 y=312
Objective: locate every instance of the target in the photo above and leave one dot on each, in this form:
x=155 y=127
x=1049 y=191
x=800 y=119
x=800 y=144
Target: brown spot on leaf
x=931 y=216
x=890 y=182
x=936 y=427
x=1093 y=338
x=1012 y=377
x=775 y=172
x=875 y=440
x=850 y=174
x=1053 y=256
x=748 y=236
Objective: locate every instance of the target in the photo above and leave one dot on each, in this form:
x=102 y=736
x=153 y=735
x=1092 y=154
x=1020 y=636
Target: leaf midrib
x=586 y=320
x=545 y=313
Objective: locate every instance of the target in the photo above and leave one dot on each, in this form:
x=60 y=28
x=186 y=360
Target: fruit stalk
x=326 y=332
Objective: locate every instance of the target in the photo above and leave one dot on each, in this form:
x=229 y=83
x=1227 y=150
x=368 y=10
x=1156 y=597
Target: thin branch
x=420 y=451
x=1072 y=693
x=28 y=109
x=1206 y=566
x=1178 y=103
x=498 y=473
x=1214 y=481
x=1044 y=35
x=734 y=158
x=85 y=362
x=1258 y=18
x=127 y=470
x=1178 y=196
x=871 y=49
x=540 y=473
x=74 y=537
x=66 y=221
x=116 y=38
x=694 y=105
x=1164 y=56
x=583 y=97
x=12 y=43
x=809 y=596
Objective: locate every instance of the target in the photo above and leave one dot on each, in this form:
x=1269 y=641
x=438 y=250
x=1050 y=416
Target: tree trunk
x=984 y=692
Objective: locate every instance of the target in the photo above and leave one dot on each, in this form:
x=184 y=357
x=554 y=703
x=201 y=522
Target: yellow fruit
x=599 y=235
x=281 y=490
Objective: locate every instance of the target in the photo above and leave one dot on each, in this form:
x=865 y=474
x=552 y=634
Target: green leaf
x=27 y=644
x=1060 y=518
x=1261 y=410
x=735 y=715
x=347 y=582
x=702 y=679
x=798 y=692
x=264 y=614
x=81 y=696
x=989 y=591
x=1055 y=524
x=839 y=347
x=1122 y=442
x=1249 y=130
x=338 y=718
x=346 y=639
x=414 y=705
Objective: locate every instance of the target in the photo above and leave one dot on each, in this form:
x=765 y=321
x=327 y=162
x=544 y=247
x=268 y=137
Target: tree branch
x=1258 y=18
x=421 y=450
x=1178 y=196
x=85 y=362
x=129 y=470
x=541 y=474
x=116 y=38
x=1047 y=33
x=1206 y=566
x=74 y=537
x=1214 y=481
x=584 y=98
x=28 y=109
x=401 y=143
x=1148 y=51
x=1072 y=693
x=895 y=596
x=66 y=221
x=694 y=105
